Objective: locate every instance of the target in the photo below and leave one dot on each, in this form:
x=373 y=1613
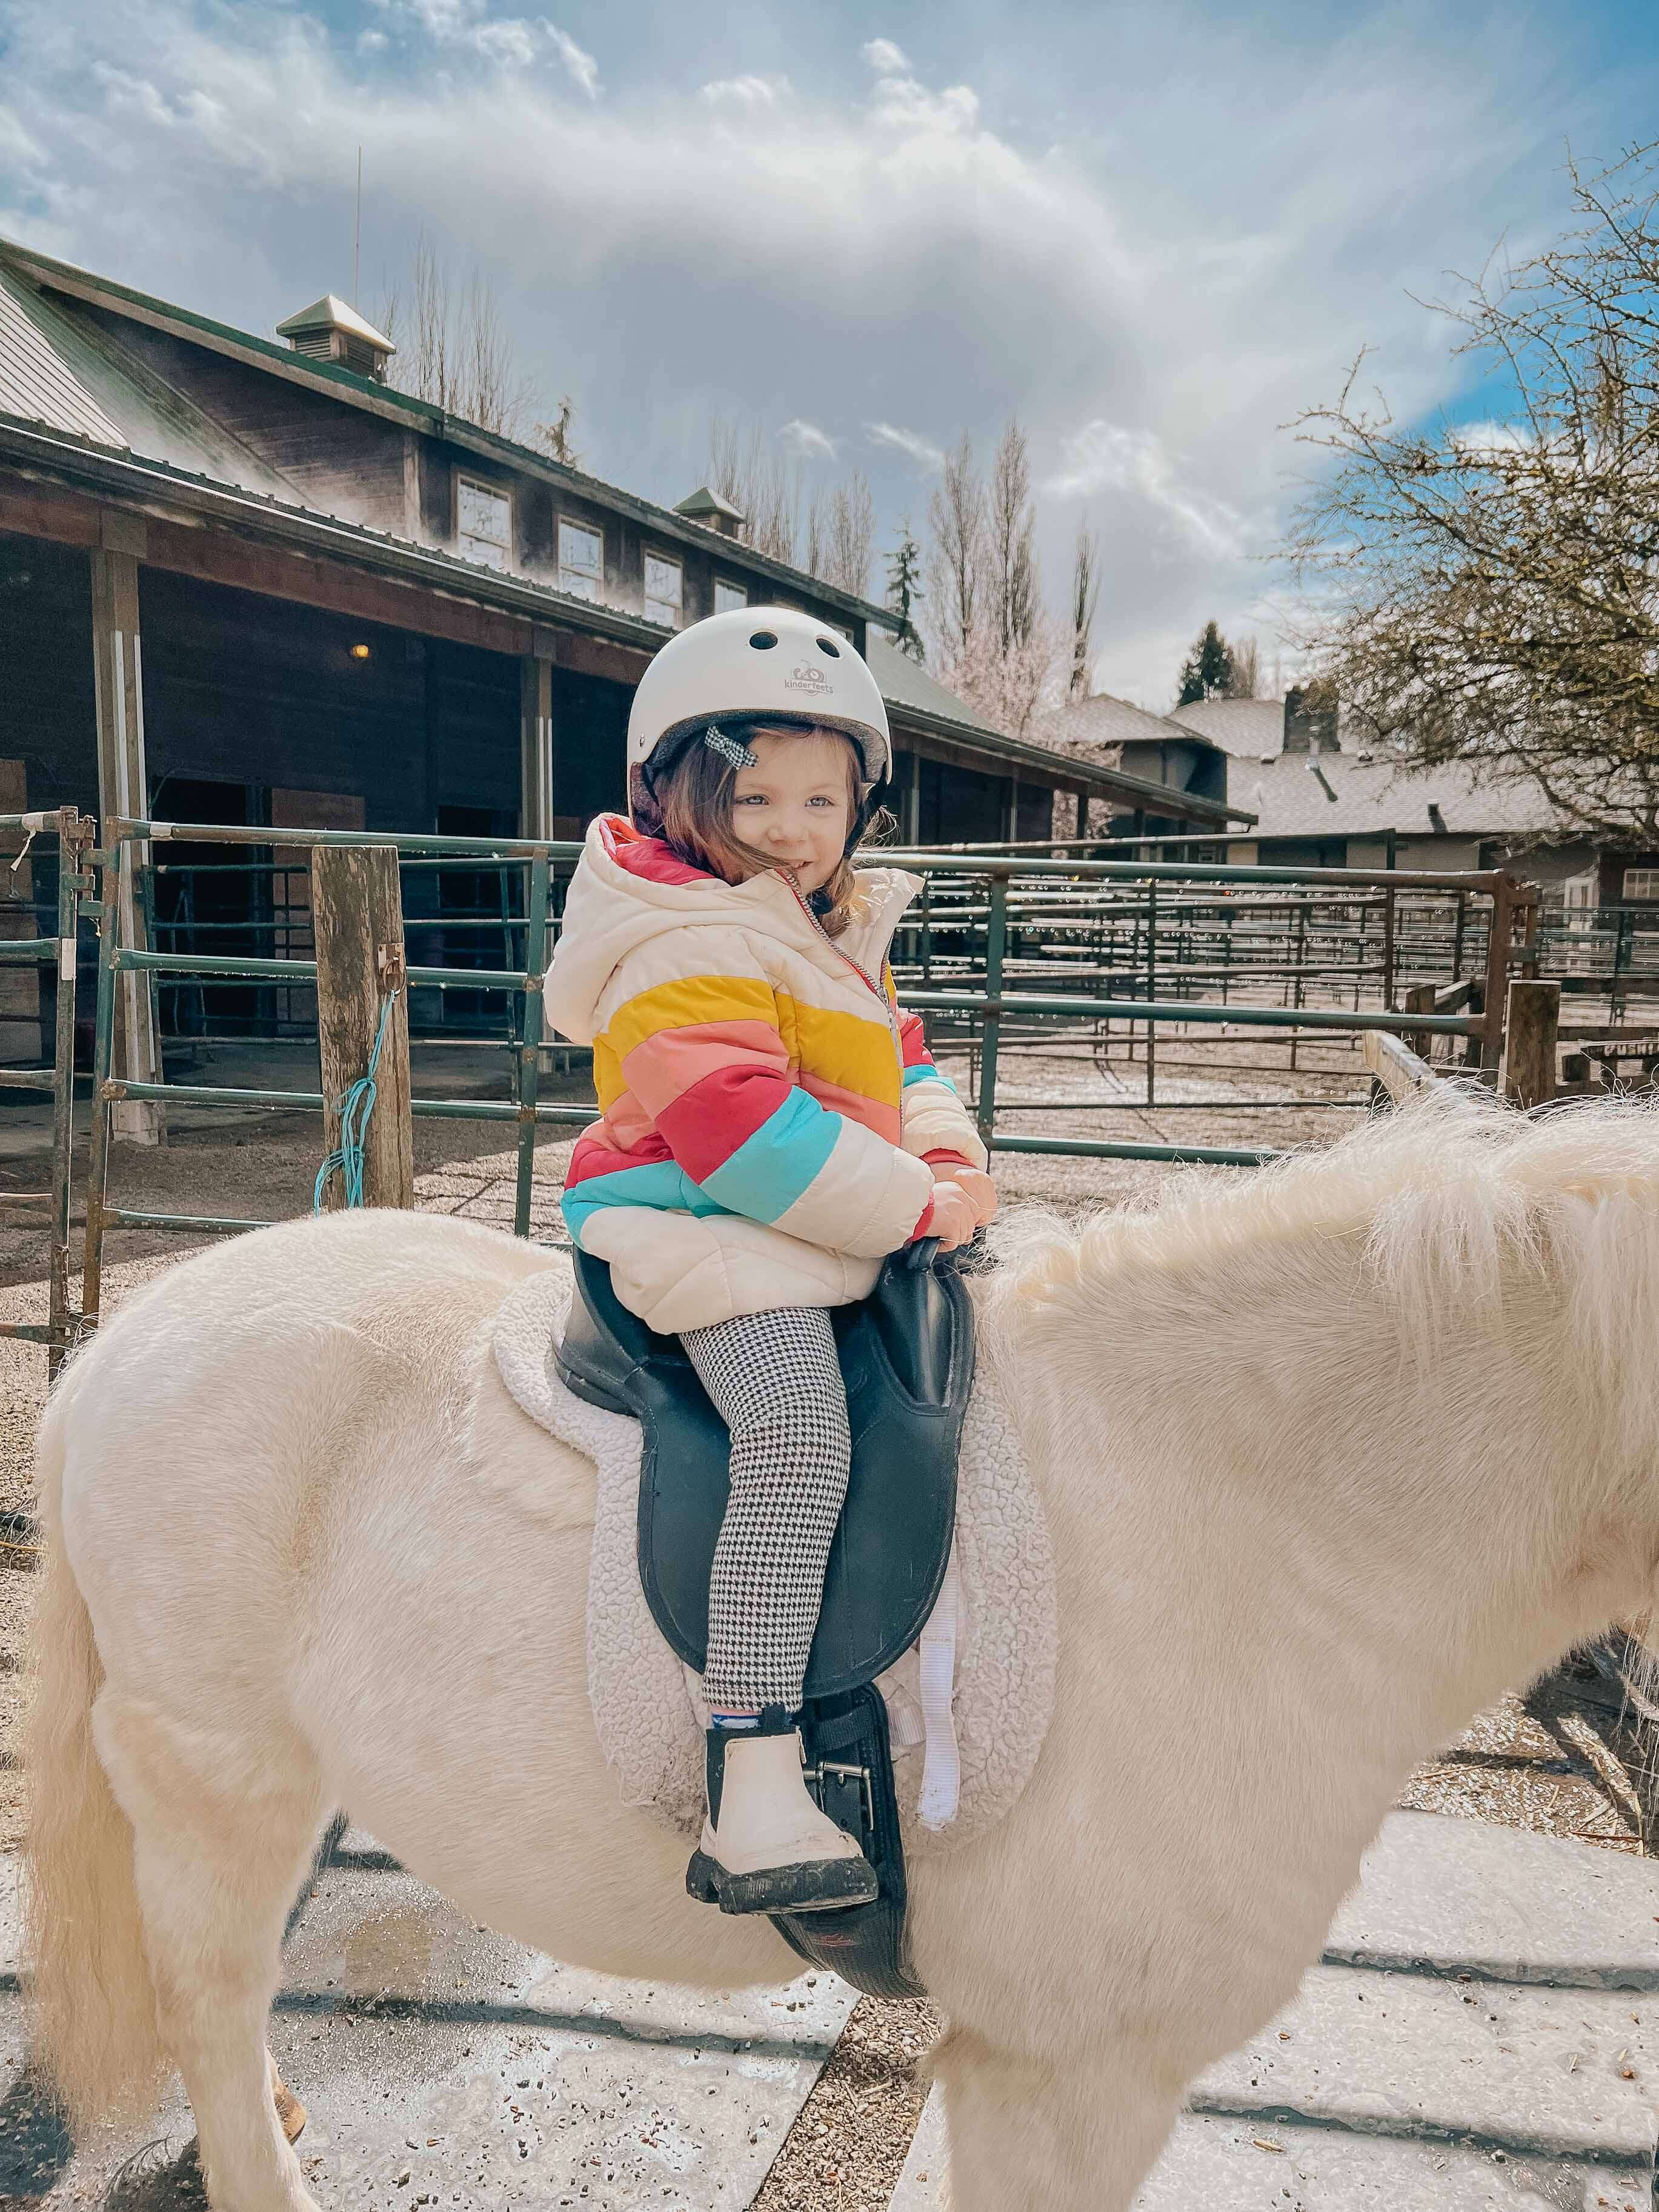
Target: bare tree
x=815 y=533
x=454 y=352
x=850 y=537
x=1246 y=682
x=554 y=437
x=1085 y=592
x=1491 y=594
x=956 y=554
x=746 y=467
x=1010 y=529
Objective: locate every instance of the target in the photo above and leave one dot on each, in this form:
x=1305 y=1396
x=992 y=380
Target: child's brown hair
x=694 y=797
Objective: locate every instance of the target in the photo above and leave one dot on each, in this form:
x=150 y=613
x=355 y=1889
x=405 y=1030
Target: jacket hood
x=629 y=888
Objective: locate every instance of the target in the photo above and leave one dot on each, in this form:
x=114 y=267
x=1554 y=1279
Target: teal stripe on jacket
x=780 y=1163
x=928 y=1075
x=657 y=1183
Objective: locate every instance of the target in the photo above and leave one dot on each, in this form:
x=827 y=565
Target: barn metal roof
x=65 y=373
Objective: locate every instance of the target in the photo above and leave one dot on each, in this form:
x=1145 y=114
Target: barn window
x=484 y=523
x=728 y=596
x=664 y=591
x=1641 y=883
x=581 y=559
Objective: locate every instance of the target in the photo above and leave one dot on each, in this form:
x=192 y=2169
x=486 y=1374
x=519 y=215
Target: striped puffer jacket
x=769 y=1113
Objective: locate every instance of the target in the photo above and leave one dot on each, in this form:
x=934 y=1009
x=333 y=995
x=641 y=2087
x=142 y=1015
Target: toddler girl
x=772 y=1127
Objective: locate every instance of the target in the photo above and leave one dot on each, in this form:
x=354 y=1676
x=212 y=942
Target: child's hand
x=954 y=1219
x=980 y=1192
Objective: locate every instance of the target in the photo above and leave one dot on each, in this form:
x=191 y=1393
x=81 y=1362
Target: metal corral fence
x=953 y=956
x=126 y=853
x=1010 y=952
x=50 y=962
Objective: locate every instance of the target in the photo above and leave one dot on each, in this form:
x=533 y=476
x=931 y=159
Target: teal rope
x=356 y=1108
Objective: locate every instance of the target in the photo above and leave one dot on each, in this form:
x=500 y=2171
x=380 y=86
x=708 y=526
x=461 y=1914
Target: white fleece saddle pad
x=968 y=1705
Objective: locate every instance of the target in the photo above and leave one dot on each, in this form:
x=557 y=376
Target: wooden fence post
x=1534 y=1013
x=1500 y=936
x=1419 y=998
x=357 y=916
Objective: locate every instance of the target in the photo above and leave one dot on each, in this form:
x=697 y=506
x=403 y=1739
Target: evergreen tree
x=904 y=589
x=1207 y=671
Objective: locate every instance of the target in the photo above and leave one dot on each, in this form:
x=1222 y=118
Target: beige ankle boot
x=766 y=1846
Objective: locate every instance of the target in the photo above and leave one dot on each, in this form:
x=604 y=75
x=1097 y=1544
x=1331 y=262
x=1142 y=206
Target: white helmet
x=771 y=662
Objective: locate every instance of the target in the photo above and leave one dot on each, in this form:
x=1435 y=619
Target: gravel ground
x=1564 y=1758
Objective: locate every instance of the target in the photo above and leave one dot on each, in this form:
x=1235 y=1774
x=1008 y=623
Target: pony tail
x=91 y=1999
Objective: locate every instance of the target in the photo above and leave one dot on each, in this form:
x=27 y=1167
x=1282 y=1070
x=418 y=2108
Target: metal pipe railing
x=987 y=929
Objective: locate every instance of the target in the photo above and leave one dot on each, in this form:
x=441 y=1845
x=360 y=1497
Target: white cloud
x=885 y=58
x=15 y=143
x=920 y=449
x=583 y=69
x=901 y=102
x=808 y=440
x=745 y=91
x=1477 y=438
x=510 y=41
x=890 y=256
x=1106 y=457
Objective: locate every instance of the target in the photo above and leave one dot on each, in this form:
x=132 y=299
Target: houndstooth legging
x=776 y=1382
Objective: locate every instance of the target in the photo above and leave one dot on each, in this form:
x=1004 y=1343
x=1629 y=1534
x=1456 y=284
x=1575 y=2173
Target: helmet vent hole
x=833 y=650
x=763 y=640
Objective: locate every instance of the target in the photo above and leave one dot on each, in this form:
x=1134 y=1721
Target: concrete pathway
x=443 y=2066
x=1482 y=2031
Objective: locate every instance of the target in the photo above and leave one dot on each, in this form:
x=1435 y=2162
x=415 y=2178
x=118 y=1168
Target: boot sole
x=812 y=1885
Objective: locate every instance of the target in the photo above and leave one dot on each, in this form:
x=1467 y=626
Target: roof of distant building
x=1101 y=720
x=1249 y=729
x=1351 y=794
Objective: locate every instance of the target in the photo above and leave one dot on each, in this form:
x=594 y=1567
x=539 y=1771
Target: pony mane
x=1455 y=1199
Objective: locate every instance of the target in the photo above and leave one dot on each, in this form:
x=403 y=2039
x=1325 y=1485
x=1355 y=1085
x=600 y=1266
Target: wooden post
x=1500 y=934
x=124 y=789
x=1535 y=1011
x=357 y=916
x=1419 y=998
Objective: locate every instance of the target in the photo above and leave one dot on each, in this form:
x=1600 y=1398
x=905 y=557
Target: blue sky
x=1157 y=232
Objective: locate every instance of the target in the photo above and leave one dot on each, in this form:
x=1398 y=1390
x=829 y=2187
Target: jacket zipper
x=886 y=1003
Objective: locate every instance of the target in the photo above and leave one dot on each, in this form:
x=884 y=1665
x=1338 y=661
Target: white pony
x=1332 y=1455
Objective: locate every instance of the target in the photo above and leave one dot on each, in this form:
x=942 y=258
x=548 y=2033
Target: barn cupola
x=714 y=512
x=330 y=330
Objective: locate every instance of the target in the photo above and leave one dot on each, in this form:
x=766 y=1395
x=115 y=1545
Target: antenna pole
x=357 y=229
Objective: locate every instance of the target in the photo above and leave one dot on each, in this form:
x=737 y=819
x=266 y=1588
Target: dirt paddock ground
x=1565 y=1758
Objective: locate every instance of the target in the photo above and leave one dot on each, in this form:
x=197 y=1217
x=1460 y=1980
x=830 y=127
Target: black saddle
x=907 y=1358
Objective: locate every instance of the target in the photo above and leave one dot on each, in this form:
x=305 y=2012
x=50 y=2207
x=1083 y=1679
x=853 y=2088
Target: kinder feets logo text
x=808 y=679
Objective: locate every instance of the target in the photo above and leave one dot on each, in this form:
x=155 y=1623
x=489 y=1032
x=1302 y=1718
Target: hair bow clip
x=729 y=749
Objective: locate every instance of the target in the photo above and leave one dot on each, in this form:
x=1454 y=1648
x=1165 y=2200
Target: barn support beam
x=535 y=746
x=124 y=789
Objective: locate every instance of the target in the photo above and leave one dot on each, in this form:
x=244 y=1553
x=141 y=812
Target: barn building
x=245 y=579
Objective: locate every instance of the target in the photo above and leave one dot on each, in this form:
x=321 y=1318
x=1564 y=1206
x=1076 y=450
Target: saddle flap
x=907 y=1359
